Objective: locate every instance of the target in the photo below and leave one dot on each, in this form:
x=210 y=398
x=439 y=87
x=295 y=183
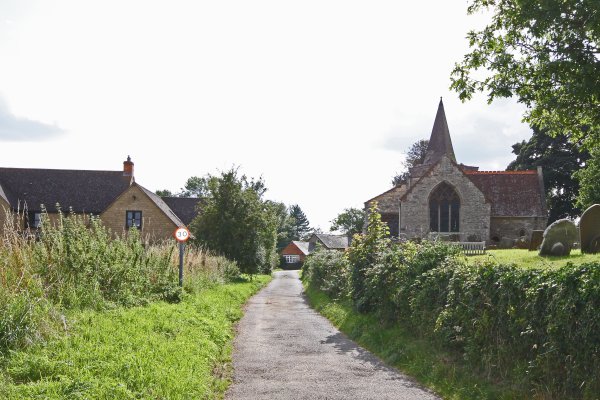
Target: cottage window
x=35 y=220
x=133 y=218
x=291 y=258
x=444 y=209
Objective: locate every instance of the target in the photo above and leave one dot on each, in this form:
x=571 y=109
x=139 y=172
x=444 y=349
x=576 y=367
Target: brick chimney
x=128 y=167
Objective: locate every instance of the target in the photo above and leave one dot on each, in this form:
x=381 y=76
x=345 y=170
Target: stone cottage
x=114 y=196
x=459 y=202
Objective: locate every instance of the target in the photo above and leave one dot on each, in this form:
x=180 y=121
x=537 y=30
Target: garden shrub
x=366 y=250
x=328 y=271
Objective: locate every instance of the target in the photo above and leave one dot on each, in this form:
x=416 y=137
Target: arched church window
x=444 y=209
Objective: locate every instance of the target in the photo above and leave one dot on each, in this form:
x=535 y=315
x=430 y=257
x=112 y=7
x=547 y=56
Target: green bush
x=328 y=271
x=541 y=328
x=365 y=252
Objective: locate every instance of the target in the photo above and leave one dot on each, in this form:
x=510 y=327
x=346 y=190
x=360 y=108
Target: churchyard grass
x=168 y=351
x=531 y=259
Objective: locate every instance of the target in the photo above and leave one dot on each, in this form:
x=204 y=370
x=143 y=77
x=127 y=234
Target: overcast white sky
x=321 y=98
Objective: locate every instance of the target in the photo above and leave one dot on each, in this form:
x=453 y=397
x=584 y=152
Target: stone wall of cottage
x=155 y=224
x=474 y=221
x=515 y=227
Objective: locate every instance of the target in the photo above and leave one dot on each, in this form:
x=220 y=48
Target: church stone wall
x=474 y=220
x=514 y=227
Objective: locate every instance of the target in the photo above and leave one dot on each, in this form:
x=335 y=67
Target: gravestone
x=562 y=231
x=536 y=240
x=506 y=243
x=589 y=230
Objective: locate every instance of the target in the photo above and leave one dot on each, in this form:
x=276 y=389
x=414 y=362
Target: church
x=457 y=202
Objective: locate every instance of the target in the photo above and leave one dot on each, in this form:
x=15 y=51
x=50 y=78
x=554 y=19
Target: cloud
x=18 y=129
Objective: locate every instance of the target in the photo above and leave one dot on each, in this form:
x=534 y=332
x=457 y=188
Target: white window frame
x=291 y=258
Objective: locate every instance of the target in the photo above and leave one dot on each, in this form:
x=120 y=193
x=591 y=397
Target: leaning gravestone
x=589 y=230
x=536 y=240
x=562 y=231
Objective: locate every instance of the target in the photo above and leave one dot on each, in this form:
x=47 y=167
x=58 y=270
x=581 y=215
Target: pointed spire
x=440 y=143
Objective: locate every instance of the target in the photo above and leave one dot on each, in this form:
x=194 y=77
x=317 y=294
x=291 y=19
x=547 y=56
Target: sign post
x=181 y=235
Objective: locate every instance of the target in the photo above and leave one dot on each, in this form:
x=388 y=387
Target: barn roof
x=333 y=241
x=84 y=191
x=511 y=193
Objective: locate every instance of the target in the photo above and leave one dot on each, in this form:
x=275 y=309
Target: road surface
x=286 y=350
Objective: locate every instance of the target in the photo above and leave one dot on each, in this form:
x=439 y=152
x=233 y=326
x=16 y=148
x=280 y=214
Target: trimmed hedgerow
x=538 y=328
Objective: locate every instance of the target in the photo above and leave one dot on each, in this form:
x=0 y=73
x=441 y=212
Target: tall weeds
x=76 y=263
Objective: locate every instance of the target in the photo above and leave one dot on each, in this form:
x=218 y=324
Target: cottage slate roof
x=440 y=143
x=84 y=191
x=304 y=247
x=184 y=207
x=333 y=241
x=511 y=193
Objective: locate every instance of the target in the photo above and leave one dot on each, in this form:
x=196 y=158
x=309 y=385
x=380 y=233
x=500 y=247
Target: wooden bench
x=471 y=248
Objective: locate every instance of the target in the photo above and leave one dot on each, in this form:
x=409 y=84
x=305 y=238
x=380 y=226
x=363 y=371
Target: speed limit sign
x=182 y=234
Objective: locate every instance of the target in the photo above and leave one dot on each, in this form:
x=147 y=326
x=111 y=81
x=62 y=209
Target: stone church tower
x=459 y=202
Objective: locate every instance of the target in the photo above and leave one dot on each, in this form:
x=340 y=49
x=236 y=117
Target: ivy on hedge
x=541 y=325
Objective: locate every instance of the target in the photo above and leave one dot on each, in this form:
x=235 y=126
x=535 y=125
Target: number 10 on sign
x=181 y=235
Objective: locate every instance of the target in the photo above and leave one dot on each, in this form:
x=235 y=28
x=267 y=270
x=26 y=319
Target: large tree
x=560 y=159
x=285 y=225
x=415 y=155
x=301 y=226
x=589 y=180
x=546 y=54
x=350 y=221
x=235 y=221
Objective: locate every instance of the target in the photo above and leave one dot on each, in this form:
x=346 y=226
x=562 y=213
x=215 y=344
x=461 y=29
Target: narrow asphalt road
x=286 y=350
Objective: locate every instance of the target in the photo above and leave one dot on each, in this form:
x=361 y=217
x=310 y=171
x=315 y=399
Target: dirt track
x=285 y=350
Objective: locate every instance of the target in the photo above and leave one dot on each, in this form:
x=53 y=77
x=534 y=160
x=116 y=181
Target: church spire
x=440 y=143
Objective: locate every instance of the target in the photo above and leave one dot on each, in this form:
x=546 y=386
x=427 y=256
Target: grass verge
x=443 y=372
x=161 y=351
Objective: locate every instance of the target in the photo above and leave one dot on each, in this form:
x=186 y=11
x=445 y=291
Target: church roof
x=511 y=193
x=440 y=143
x=388 y=200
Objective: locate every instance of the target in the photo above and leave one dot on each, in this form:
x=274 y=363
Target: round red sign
x=181 y=234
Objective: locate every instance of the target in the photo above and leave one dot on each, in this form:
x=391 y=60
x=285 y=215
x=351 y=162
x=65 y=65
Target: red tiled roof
x=511 y=193
x=526 y=172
